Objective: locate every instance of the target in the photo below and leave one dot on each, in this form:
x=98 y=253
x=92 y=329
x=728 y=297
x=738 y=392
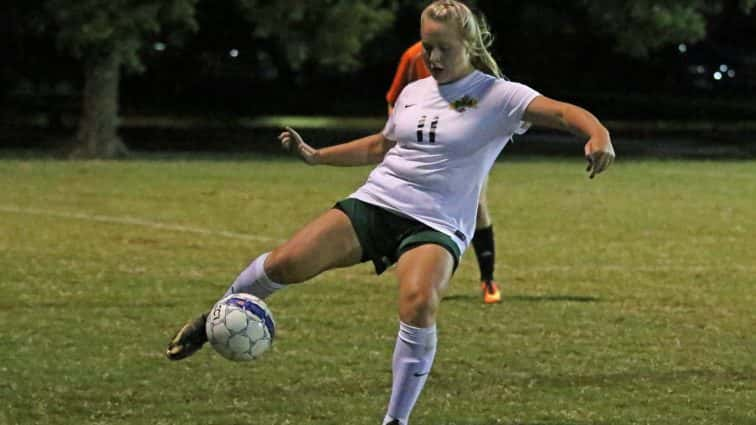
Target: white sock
x=253 y=280
x=413 y=358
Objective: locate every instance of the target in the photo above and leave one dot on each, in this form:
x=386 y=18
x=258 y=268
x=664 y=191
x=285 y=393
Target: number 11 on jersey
x=431 y=132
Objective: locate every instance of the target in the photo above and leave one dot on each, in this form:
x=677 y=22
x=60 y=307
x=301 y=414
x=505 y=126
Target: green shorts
x=385 y=236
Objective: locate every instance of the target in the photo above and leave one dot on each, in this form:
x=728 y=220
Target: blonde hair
x=476 y=36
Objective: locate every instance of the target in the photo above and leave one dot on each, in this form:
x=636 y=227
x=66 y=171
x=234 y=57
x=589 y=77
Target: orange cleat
x=491 y=292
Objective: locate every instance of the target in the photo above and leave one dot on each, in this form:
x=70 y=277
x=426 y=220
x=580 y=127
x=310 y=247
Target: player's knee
x=482 y=218
x=283 y=266
x=483 y=201
x=418 y=305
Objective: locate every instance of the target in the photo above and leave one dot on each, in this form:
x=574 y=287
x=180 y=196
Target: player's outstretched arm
x=367 y=150
x=547 y=112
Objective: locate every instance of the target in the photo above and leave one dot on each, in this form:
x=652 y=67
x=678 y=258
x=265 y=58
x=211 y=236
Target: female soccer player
x=412 y=67
x=417 y=207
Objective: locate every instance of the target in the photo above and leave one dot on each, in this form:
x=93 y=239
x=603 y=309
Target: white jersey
x=447 y=139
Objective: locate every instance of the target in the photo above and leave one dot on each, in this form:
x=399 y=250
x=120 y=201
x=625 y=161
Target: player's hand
x=600 y=155
x=292 y=142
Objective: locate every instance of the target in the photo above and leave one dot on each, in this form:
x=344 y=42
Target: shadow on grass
x=643 y=377
x=495 y=422
x=544 y=298
x=528 y=298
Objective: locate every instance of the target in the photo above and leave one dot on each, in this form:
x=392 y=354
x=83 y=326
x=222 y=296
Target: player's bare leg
x=327 y=242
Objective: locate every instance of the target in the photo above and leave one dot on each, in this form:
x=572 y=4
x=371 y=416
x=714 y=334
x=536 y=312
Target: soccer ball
x=240 y=327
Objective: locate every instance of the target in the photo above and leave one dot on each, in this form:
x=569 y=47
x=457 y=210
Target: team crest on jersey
x=461 y=104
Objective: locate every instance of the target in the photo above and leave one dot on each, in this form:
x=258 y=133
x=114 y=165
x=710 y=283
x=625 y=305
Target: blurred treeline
x=96 y=60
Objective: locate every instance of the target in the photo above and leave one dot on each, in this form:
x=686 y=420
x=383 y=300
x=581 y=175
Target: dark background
x=563 y=56
x=582 y=66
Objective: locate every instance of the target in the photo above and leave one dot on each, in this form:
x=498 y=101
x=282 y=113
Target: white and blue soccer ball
x=240 y=327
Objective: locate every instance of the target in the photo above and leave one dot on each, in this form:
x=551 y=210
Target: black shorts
x=385 y=236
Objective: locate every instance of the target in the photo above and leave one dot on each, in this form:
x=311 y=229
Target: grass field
x=630 y=299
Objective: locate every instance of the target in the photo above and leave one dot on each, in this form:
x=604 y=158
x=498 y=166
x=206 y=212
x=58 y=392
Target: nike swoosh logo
x=410 y=105
x=419 y=374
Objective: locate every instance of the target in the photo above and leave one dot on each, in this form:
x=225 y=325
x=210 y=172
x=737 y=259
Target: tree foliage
x=326 y=32
x=91 y=29
x=640 y=26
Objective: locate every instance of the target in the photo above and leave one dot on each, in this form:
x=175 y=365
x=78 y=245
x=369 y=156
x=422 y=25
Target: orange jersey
x=411 y=67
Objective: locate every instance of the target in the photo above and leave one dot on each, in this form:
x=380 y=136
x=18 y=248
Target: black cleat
x=190 y=338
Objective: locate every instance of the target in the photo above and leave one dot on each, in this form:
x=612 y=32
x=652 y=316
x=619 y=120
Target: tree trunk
x=97 y=136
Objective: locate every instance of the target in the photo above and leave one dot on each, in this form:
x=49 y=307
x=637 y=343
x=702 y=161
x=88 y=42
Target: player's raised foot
x=190 y=338
x=491 y=292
